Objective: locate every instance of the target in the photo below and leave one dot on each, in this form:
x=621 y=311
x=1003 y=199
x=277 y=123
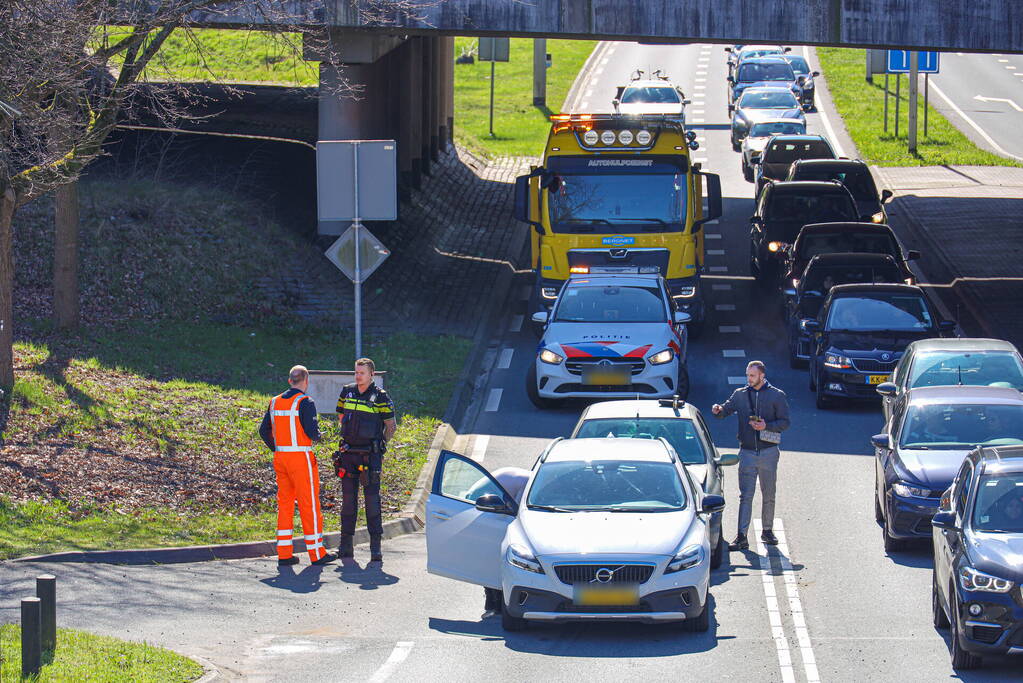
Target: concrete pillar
x=446 y=89
x=448 y=67
x=436 y=102
x=407 y=81
x=428 y=93
x=539 y=72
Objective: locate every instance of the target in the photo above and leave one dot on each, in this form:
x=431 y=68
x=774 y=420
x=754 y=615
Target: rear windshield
x=762 y=130
x=680 y=433
x=781 y=152
x=798 y=65
x=652 y=95
x=774 y=71
x=838 y=243
x=823 y=279
x=769 y=99
x=943 y=368
x=960 y=427
x=858 y=181
x=811 y=208
x=999 y=505
x=880 y=311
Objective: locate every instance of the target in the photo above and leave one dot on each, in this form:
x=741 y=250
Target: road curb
x=212 y=673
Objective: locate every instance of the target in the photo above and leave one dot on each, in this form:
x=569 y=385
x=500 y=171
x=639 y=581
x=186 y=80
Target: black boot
x=768 y=537
x=346 y=548
x=375 y=553
x=740 y=543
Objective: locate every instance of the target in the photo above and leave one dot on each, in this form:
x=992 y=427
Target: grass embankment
x=861 y=105
x=520 y=129
x=141 y=431
x=82 y=656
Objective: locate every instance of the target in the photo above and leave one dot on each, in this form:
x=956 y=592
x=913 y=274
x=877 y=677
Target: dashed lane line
x=718 y=269
x=721 y=288
x=714 y=236
x=516 y=323
x=715 y=252
x=733 y=353
x=724 y=307
x=398 y=655
x=504 y=362
x=493 y=401
x=479 y=447
x=729 y=329
x=736 y=380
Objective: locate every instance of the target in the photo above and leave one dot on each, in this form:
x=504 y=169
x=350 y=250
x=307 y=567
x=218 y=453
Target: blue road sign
x=898 y=62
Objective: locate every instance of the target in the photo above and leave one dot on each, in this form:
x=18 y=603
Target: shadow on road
x=306 y=581
x=369 y=577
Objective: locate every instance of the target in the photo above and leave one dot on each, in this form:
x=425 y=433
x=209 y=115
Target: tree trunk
x=65 y=256
x=7 y=203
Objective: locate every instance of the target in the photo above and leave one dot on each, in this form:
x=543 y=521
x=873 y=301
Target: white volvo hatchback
x=605 y=529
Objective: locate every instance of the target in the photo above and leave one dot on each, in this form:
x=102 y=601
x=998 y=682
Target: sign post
x=914 y=63
x=356 y=180
x=494 y=50
x=914 y=87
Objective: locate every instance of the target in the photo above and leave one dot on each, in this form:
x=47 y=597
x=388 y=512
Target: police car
x=610 y=336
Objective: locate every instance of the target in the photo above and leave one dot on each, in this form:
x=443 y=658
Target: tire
x=510 y=623
x=736 y=147
x=878 y=512
x=891 y=545
x=812 y=378
x=795 y=362
x=720 y=551
x=938 y=612
x=747 y=172
x=961 y=659
x=534 y=395
x=821 y=400
x=701 y=622
x=682 y=383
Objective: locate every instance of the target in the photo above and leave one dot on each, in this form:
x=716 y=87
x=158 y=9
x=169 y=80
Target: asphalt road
x=829 y=606
x=982 y=95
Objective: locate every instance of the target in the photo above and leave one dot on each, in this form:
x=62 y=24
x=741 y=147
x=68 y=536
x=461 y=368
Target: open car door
x=463 y=542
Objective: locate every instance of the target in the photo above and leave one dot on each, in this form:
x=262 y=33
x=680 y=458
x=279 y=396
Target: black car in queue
x=830 y=238
x=782 y=150
x=803 y=300
x=977 y=532
x=854 y=174
x=782 y=210
x=861 y=332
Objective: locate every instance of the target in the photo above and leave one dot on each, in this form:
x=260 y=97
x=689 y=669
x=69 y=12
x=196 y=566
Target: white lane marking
x=599 y=70
x=713 y=222
x=699 y=87
x=736 y=379
x=1018 y=74
x=584 y=106
x=724 y=307
x=1010 y=66
x=715 y=236
x=733 y=353
x=516 y=323
x=589 y=93
x=701 y=80
x=796 y=605
x=699 y=160
x=827 y=120
x=504 y=362
x=781 y=643
x=729 y=329
x=1003 y=60
x=1009 y=102
x=715 y=252
x=479 y=447
x=960 y=54
x=493 y=400
x=698 y=111
x=721 y=288
x=718 y=269
x=398 y=655
x=964 y=117
x=698 y=120
x=604 y=61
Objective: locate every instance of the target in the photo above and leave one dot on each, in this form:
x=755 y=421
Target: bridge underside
x=960 y=25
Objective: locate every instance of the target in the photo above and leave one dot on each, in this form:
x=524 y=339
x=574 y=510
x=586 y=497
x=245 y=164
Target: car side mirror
x=755 y=161
x=685 y=102
x=491 y=502
x=788 y=49
x=881 y=441
x=730 y=79
x=541 y=317
x=815 y=74
x=727 y=460
x=944 y=519
x=886 y=389
x=681 y=318
x=810 y=325
x=886 y=195
x=712 y=504
x=756 y=219
x=912 y=255
x=947 y=326
x=728 y=50
x=731 y=109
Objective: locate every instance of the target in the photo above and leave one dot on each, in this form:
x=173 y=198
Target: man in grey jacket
x=763 y=413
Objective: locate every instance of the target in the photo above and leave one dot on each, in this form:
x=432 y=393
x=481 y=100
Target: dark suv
x=782 y=150
x=762 y=72
x=978 y=533
x=830 y=238
x=781 y=212
x=860 y=334
x=852 y=173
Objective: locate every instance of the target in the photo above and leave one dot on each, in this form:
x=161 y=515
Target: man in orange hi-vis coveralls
x=289 y=429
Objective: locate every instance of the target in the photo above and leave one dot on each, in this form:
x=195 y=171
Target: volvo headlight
x=972 y=580
x=833 y=360
x=907 y=491
x=522 y=557
x=878 y=217
x=548 y=356
x=687 y=558
x=662 y=357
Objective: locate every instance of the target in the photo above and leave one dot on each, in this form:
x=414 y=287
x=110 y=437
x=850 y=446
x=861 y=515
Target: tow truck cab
x=618 y=194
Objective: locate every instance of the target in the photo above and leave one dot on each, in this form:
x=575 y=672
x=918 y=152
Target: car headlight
x=833 y=360
x=907 y=491
x=687 y=292
x=775 y=247
x=549 y=292
x=878 y=217
x=522 y=557
x=662 y=357
x=972 y=580
x=548 y=356
x=687 y=558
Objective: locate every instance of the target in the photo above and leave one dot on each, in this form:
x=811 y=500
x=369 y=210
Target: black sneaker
x=326 y=559
x=740 y=543
x=768 y=537
x=288 y=562
x=375 y=553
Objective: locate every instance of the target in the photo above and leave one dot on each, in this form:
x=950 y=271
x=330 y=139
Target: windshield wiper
x=628 y=508
x=548 y=508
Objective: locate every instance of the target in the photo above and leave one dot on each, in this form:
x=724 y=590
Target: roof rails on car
x=671 y=451
x=543 y=456
x=673 y=402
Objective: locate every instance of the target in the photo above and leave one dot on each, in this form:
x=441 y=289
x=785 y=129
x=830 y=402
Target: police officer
x=366 y=414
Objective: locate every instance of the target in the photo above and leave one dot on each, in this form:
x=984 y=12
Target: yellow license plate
x=878 y=379
x=617 y=597
x=604 y=378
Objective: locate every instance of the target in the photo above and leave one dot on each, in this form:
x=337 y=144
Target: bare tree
x=70 y=70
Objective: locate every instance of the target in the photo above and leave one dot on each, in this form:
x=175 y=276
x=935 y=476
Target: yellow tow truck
x=618 y=194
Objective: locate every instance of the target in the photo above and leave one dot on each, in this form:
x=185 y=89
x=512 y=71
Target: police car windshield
x=999 y=506
x=611 y=304
x=653 y=94
x=972 y=368
x=614 y=485
x=768 y=99
x=680 y=432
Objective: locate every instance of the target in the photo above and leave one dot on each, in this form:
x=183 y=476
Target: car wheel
x=510 y=623
x=821 y=400
x=878 y=512
x=961 y=659
x=813 y=379
x=747 y=172
x=736 y=147
x=938 y=612
x=699 y=623
x=795 y=362
x=891 y=544
x=533 y=394
x=682 y=384
x=720 y=551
